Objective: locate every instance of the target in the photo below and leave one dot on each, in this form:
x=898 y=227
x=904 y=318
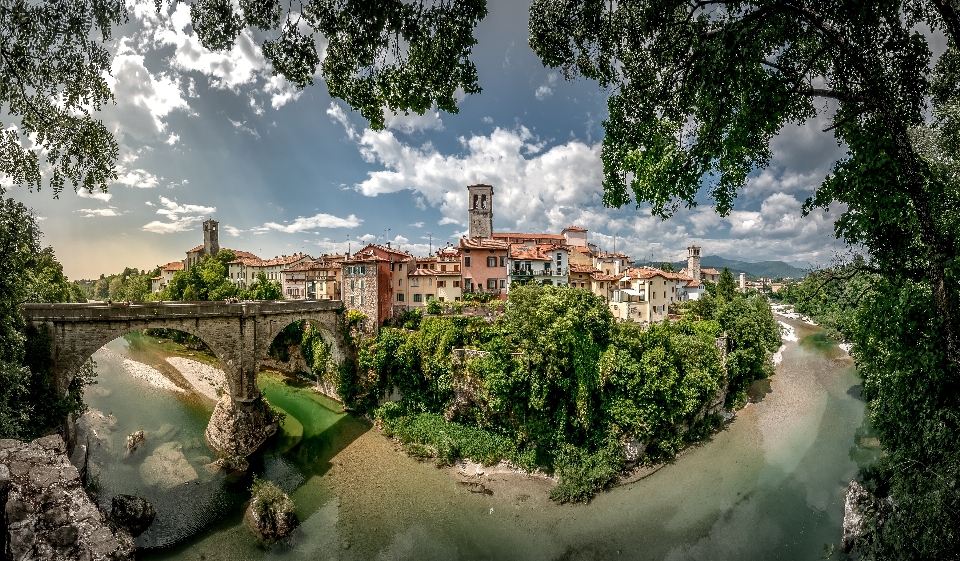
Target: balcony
x=560 y=272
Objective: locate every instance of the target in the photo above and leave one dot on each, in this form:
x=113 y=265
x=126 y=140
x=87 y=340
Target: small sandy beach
x=205 y=379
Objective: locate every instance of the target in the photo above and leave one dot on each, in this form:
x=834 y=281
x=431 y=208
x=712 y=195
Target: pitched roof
x=528 y=253
x=599 y=276
x=583 y=269
x=650 y=272
x=173 y=266
x=574 y=229
x=709 y=272
x=482 y=243
x=385 y=249
x=522 y=236
x=603 y=255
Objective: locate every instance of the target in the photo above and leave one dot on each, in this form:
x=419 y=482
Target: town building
x=366 y=279
x=480 y=211
x=483 y=266
x=318 y=279
x=243 y=270
x=161 y=281
x=646 y=294
x=611 y=263
x=545 y=264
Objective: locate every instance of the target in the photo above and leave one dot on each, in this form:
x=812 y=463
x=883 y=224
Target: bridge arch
x=239 y=334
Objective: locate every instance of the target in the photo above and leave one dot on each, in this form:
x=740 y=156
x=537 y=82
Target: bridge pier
x=239 y=427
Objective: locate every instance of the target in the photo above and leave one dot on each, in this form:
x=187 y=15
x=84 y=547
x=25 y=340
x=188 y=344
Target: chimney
x=388 y=245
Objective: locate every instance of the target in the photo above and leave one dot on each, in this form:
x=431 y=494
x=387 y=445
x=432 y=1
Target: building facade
x=480 y=211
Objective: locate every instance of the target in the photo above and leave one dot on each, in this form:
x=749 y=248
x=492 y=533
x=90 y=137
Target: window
x=456 y=267
x=601 y=285
x=361 y=299
x=399 y=266
x=457 y=299
x=440 y=298
x=491 y=261
x=351 y=287
x=503 y=260
x=361 y=285
x=429 y=297
x=429 y=282
x=466 y=261
x=351 y=301
x=418 y=297
x=443 y=267
x=503 y=283
x=414 y=282
x=399 y=282
x=392 y=265
x=441 y=284
x=491 y=283
x=456 y=284
x=400 y=297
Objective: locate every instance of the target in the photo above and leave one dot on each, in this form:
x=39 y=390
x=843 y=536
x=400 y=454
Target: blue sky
x=206 y=134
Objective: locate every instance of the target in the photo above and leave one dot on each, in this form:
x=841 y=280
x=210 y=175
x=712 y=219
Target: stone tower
x=693 y=262
x=480 y=205
x=211 y=238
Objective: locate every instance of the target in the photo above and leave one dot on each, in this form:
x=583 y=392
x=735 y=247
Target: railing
x=539 y=273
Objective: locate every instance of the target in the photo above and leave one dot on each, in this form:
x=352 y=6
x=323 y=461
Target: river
x=768 y=486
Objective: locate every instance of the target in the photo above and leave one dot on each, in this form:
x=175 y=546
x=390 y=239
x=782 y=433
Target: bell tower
x=211 y=238
x=693 y=262
x=480 y=208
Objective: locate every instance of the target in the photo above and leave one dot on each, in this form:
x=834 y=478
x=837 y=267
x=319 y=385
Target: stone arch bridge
x=239 y=334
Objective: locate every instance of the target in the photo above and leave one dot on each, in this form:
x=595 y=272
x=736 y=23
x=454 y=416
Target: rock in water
x=133 y=513
x=857 y=505
x=238 y=429
x=167 y=467
x=270 y=514
x=134 y=441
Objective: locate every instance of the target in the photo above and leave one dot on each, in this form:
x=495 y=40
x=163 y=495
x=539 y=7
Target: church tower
x=211 y=238
x=480 y=206
x=693 y=262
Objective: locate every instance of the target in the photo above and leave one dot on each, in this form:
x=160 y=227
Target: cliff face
x=46 y=512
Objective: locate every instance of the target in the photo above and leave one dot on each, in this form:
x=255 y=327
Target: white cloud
x=233 y=231
x=179 y=217
x=143 y=99
x=173 y=139
x=98 y=195
x=546 y=89
x=281 y=91
x=412 y=122
x=242 y=126
x=93 y=212
x=417 y=224
x=137 y=178
x=338 y=115
x=488 y=120
x=313 y=222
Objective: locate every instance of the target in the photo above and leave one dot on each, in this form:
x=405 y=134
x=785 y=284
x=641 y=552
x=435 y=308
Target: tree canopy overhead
x=699 y=89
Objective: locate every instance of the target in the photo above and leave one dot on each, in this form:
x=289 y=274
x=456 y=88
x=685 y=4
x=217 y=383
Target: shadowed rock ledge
x=46 y=512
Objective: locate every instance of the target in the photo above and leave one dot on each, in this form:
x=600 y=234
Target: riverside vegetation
x=560 y=386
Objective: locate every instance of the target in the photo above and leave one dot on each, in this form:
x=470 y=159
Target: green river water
x=768 y=486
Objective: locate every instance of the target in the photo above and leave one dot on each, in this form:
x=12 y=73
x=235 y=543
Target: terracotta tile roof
x=602 y=255
x=364 y=257
x=285 y=259
x=196 y=249
x=650 y=272
x=528 y=253
x=386 y=249
x=709 y=272
x=583 y=269
x=574 y=229
x=173 y=266
x=156 y=278
x=693 y=284
x=509 y=236
x=482 y=243
x=598 y=276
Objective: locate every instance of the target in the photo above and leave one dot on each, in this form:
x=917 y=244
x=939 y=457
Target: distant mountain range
x=766 y=269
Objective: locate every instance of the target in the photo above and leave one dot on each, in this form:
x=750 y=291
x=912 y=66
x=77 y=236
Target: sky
x=215 y=135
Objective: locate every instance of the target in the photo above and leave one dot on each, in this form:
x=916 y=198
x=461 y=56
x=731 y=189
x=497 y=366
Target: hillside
x=766 y=269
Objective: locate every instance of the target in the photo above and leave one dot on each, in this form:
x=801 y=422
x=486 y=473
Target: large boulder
x=859 y=506
x=135 y=514
x=270 y=514
x=46 y=513
x=238 y=429
x=134 y=441
x=167 y=467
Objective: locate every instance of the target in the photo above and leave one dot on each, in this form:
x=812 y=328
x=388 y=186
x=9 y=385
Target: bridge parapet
x=87 y=312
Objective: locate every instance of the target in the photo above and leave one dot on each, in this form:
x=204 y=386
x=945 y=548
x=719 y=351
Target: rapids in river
x=770 y=485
